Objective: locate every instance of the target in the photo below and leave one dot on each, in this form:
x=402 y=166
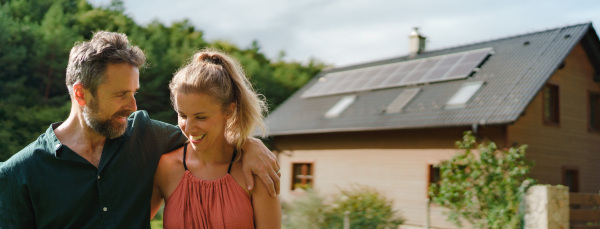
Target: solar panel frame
x=467 y=64
x=418 y=71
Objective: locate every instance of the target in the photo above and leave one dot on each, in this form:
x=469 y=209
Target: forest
x=37 y=35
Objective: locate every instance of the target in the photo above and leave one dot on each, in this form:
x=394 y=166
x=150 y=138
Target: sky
x=347 y=32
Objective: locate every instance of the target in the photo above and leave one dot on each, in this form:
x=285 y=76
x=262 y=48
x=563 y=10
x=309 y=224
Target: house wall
x=394 y=162
x=570 y=143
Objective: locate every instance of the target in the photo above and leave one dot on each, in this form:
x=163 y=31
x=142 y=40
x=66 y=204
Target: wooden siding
x=570 y=143
x=396 y=161
x=434 y=138
x=401 y=175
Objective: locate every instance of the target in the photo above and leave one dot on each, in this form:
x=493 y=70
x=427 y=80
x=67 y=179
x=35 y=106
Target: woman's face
x=202 y=119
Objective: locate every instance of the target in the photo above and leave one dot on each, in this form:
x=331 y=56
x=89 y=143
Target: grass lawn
x=156 y=224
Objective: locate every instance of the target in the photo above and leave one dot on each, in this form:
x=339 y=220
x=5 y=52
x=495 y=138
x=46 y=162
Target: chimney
x=416 y=43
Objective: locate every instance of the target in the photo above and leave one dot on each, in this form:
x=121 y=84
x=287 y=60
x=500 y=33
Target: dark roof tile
x=513 y=75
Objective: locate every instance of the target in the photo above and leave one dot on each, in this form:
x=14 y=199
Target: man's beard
x=109 y=128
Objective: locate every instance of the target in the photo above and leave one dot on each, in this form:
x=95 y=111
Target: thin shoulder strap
x=232 y=158
x=184 y=152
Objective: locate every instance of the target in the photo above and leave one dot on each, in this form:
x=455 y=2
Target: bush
x=365 y=207
x=485 y=189
x=307 y=211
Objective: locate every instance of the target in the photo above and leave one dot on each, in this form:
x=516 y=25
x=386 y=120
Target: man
x=95 y=169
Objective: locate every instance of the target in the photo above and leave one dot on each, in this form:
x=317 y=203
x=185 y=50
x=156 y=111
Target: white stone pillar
x=547 y=207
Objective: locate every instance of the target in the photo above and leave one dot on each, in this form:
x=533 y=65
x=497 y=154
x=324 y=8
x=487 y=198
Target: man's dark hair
x=88 y=60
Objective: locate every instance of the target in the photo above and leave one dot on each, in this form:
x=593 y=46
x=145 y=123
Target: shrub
x=365 y=207
x=485 y=189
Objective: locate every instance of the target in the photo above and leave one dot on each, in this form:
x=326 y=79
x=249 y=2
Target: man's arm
x=262 y=162
x=16 y=210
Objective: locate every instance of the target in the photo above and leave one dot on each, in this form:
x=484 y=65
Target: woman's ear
x=79 y=94
x=230 y=110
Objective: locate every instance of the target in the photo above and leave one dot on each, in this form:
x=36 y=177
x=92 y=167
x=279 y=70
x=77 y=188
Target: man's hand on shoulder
x=261 y=161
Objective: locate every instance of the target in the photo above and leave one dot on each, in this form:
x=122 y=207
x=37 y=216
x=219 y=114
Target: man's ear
x=79 y=94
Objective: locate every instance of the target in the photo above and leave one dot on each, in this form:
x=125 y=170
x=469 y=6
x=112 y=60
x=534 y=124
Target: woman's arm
x=159 y=181
x=267 y=209
x=261 y=161
x=156 y=201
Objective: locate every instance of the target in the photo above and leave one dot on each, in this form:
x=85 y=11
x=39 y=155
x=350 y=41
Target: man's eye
x=201 y=118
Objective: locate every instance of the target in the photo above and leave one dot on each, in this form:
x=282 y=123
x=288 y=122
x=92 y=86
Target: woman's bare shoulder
x=170 y=160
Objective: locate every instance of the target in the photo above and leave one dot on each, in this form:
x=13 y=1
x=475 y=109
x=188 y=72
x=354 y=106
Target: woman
x=203 y=183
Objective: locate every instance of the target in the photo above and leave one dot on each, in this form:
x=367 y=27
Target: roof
x=515 y=72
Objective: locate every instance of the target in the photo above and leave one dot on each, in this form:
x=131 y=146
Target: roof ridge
x=398 y=58
x=510 y=36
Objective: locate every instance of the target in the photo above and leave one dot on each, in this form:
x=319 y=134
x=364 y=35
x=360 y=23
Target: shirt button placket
x=101 y=196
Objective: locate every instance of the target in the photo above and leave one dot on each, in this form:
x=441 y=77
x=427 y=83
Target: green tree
x=484 y=188
x=37 y=35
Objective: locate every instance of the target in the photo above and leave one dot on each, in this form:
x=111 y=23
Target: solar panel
x=425 y=70
x=467 y=63
x=441 y=68
x=385 y=72
x=419 y=72
x=346 y=80
x=324 y=84
x=366 y=75
x=399 y=75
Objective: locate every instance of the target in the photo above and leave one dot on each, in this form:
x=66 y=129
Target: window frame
x=340 y=106
x=464 y=94
x=431 y=177
x=310 y=177
x=589 y=113
x=564 y=171
x=549 y=121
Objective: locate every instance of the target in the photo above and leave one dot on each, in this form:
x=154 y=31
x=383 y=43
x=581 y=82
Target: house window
x=595 y=111
x=398 y=104
x=435 y=175
x=464 y=94
x=340 y=106
x=571 y=178
x=551 y=114
x=302 y=176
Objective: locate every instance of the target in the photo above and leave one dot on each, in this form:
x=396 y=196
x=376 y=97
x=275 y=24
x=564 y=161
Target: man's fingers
x=277 y=185
x=266 y=178
x=249 y=179
x=275 y=178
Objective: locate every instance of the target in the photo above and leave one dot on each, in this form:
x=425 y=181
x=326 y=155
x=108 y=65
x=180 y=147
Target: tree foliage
x=484 y=188
x=37 y=35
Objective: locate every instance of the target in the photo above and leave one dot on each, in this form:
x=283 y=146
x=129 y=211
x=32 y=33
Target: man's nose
x=132 y=103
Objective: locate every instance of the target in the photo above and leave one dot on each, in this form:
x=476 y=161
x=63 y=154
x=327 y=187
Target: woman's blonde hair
x=214 y=73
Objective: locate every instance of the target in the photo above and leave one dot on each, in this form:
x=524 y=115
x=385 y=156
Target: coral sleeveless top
x=219 y=203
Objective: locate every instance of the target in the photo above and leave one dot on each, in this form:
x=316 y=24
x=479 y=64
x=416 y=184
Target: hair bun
x=213 y=59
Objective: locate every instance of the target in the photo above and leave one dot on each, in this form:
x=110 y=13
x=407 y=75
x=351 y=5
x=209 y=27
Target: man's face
x=107 y=112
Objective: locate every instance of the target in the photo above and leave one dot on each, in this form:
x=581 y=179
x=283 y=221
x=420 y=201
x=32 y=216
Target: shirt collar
x=53 y=143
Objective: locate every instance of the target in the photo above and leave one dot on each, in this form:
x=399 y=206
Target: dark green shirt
x=47 y=185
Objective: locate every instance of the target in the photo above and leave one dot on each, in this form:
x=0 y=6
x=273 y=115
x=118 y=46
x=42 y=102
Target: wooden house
x=385 y=123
